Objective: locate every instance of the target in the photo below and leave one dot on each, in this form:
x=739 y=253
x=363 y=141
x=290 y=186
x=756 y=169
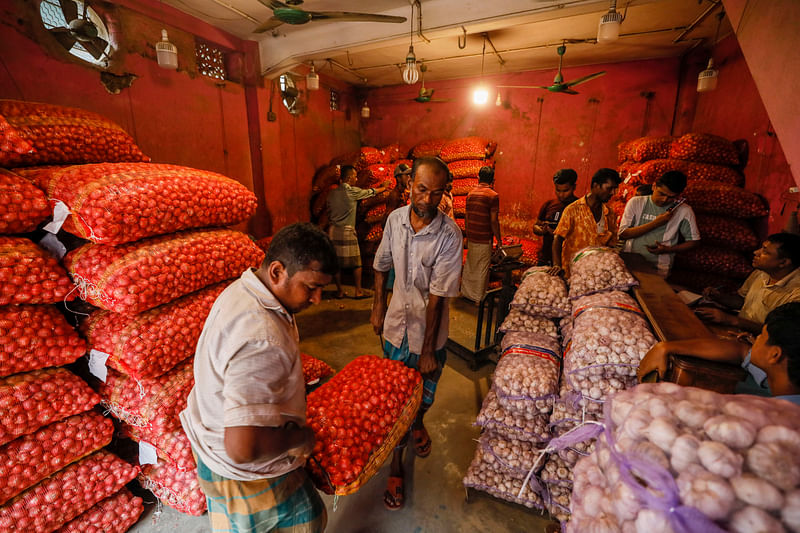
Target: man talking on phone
x=660 y=225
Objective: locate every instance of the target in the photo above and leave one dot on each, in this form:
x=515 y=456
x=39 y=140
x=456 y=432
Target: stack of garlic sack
x=515 y=412
x=676 y=459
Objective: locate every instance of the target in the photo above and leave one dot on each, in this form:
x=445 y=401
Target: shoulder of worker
x=396 y=216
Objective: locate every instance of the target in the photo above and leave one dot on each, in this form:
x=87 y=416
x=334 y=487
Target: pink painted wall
x=182 y=117
x=537 y=132
x=736 y=111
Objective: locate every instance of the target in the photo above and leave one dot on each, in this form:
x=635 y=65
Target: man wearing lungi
x=483 y=226
x=246 y=414
x=342 y=203
x=424 y=248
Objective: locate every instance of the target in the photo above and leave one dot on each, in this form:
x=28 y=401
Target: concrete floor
x=337 y=331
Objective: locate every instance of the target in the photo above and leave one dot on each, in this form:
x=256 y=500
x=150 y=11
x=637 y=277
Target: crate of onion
x=358 y=417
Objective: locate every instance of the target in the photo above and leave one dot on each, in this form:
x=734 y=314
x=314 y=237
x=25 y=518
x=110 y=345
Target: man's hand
x=427 y=363
x=386 y=183
x=712 y=293
x=654 y=360
x=717 y=316
x=658 y=248
x=555 y=270
x=377 y=317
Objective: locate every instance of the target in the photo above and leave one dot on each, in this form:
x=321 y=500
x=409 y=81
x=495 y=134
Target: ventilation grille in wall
x=210 y=61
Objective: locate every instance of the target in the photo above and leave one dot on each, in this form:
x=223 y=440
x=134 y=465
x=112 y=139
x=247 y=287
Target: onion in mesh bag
x=542 y=294
x=526 y=378
x=531 y=427
x=596 y=269
x=517 y=320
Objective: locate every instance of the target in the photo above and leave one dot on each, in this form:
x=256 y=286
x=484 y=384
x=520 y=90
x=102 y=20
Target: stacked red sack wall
x=713 y=166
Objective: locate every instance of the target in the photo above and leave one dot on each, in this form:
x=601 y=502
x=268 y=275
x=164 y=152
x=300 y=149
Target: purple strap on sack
x=682 y=518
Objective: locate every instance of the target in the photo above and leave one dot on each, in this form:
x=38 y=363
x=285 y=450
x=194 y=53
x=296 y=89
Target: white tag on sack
x=97 y=364
x=60 y=214
x=147 y=454
x=51 y=243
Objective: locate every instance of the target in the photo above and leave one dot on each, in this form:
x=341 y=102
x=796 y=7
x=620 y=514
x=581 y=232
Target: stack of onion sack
x=51 y=468
x=520 y=227
x=465 y=158
x=44 y=134
x=22 y=205
x=676 y=459
x=514 y=418
x=358 y=417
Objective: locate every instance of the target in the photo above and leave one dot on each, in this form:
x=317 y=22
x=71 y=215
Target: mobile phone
x=676 y=204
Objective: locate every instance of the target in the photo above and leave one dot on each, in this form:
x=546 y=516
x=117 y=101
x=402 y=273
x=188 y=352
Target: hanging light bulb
x=365 y=110
x=499 y=101
x=411 y=70
x=707 y=79
x=480 y=96
x=312 y=79
x=166 y=52
x=608 y=29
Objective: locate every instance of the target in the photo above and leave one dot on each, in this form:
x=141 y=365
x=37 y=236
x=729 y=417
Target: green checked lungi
x=284 y=504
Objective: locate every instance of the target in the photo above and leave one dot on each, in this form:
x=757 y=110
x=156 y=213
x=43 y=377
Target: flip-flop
x=422 y=442
x=362 y=296
x=394 y=496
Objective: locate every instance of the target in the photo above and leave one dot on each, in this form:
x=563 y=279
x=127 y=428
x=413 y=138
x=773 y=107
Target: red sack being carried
x=30 y=275
x=66 y=494
x=178 y=489
x=172 y=446
x=469 y=168
x=358 y=418
x=314 y=369
x=22 y=206
x=704 y=148
x=115 y=203
x=34 y=399
x=150 y=403
x=718 y=260
x=722 y=199
x=465 y=148
x=115 y=514
x=430 y=148
x=138 y=276
x=462 y=187
x=725 y=232
x=647 y=148
x=29 y=459
x=36 y=336
x=151 y=343
x=64 y=136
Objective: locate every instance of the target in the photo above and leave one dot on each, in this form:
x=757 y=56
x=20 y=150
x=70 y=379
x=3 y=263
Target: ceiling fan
x=426 y=95
x=559 y=86
x=79 y=29
x=287 y=14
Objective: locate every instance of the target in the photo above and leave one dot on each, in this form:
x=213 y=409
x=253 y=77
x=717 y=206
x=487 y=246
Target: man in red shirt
x=550 y=213
x=483 y=224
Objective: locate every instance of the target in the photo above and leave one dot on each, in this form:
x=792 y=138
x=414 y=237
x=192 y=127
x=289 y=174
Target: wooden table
x=672 y=320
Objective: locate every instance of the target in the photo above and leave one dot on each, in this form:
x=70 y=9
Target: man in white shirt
x=246 y=415
x=424 y=247
x=651 y=225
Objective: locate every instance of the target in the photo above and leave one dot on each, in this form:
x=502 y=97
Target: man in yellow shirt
x=587 y=221
x=775 y=281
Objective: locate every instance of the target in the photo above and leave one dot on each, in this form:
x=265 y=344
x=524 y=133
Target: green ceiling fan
x=284 y=13
x=559 y=86
x=426 y=95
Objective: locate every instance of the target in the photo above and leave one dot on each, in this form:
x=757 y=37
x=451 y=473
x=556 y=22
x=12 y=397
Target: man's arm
x=379 y=302
x=433 y=321
x=247 y=444
x=731 y=301
x=711 y=349
x=644 y=229
x=494 y=217
x=718 y=316
x=541 y=227
x=558 y=244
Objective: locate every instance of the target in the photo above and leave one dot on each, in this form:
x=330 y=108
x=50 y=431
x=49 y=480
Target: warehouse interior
x=233 y=115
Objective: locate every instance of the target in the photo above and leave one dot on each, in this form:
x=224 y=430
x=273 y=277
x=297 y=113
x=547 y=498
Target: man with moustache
x=424 y=247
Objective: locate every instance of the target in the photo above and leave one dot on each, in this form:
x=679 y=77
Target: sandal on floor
x=422 y=442
x=394 y=496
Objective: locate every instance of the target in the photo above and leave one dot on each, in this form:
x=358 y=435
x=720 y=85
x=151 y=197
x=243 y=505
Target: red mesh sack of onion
x=150 y=344
x=675 y=459
x=134 y=277
x=465 y=148
x=152 y=403
x=704 y=148
x=29 y=459
x=29 y=275
x=65 y=135
x=34 y=399
x=115 y=203
x=430 y=148
x=66 y=494
x=596 y=269
x=22 y=205
x=174 y=487
x=36 y=336
x=115 y=514
x=540 y=294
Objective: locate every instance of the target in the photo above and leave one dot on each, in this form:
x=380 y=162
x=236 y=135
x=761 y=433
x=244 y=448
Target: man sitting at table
x=775 y=281
x=773 y=361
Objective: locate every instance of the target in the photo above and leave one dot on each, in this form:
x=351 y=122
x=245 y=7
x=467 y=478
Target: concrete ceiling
x=524 y=34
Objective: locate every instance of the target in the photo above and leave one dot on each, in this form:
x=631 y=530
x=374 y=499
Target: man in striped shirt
x=483 y=224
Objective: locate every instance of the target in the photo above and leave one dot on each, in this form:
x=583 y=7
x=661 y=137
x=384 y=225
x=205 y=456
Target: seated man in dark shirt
x=550 y=213
x=773 y=361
